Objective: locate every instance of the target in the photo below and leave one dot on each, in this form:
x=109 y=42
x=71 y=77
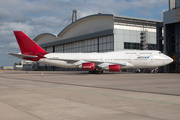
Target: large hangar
x=171 y=23
x=101 y=33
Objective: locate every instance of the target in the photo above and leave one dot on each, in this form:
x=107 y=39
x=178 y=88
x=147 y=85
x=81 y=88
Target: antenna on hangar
x=74 y=15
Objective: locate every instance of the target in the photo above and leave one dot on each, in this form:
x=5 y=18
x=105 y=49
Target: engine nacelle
x=88 y=66
x=114 y=68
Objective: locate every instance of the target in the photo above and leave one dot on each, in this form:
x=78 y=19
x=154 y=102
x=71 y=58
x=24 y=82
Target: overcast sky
x=34 y=17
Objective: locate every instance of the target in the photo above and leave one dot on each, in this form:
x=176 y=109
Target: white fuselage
x=132 y=58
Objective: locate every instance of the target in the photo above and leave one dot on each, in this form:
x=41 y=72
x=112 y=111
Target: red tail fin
x=27 y=46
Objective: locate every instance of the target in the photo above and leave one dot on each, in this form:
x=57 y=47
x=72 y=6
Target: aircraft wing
x=72 y=61
x=98 y=63
x=21 y=56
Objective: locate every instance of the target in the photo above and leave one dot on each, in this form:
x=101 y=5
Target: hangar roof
x=138 y=19
x=43 y=35
x=115 y=17
x=78 y=21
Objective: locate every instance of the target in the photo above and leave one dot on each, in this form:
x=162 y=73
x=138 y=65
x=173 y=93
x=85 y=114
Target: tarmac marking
x=16 y=81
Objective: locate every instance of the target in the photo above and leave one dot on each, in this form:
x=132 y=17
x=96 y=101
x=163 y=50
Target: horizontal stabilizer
x=21 y=56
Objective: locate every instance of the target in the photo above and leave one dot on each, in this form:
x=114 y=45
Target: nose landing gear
x=155 y=70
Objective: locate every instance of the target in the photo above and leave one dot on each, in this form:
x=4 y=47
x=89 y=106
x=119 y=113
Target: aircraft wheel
x=155 y=71
x=97 y=72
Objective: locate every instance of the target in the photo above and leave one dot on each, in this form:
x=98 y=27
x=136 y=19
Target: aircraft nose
x=169 y=60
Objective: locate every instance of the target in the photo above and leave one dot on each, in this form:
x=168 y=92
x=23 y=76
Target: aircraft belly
x=142 y=63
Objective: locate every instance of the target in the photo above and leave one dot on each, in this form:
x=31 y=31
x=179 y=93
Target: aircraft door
x=129 y=59
x=152 y=59
x=101 y=58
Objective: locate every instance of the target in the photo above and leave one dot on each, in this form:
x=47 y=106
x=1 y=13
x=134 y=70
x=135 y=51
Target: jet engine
x=88 y=66
x=114 y=68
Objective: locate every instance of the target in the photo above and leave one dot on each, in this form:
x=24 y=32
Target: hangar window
x=59 y=49
x=151 y=46
x=49 y=49
x=100 y=40
x=106 y=43
x=128 y=45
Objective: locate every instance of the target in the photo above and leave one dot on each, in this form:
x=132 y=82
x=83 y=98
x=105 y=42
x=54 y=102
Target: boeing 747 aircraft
x=93 y=62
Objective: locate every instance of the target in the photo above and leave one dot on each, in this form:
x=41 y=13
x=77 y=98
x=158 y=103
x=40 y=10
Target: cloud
x=160 y=14
x=119 y=6
x=1 y=46
x=13 y=45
